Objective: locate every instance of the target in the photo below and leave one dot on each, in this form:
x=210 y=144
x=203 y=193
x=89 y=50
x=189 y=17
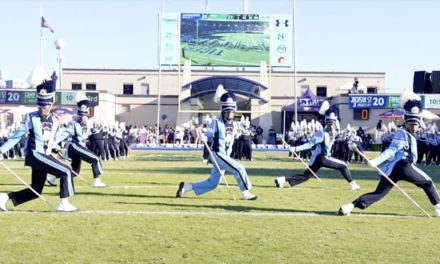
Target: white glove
x=203 y=138
x=372 y=163
x=292 y=149
x=352 y=146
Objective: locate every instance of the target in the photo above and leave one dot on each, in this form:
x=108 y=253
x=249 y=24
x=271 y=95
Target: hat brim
x=412 y=122
x=45 y=102
x=412 y=118
x=229 y=108
x=330 y=120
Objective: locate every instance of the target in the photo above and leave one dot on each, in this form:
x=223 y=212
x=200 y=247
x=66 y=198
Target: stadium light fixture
x=59 y=45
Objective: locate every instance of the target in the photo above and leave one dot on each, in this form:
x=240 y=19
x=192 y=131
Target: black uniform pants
x=403 y=170
x=78 y=153
x=320 y=161
x=41 y=165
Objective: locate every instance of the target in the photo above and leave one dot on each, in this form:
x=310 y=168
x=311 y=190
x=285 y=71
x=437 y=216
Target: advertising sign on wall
x=12 y=96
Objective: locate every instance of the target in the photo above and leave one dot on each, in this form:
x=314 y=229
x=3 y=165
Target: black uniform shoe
x=179 y=193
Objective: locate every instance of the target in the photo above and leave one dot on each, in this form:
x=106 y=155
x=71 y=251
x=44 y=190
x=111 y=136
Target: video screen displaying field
x=224 y=39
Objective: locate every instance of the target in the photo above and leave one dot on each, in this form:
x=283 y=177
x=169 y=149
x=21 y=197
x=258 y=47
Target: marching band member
x=40 y=127
x=322 y=142
x=76 y=133
x=221 y=132
x=398 y=161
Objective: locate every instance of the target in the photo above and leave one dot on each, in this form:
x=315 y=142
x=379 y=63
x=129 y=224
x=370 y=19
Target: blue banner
x=309 y=102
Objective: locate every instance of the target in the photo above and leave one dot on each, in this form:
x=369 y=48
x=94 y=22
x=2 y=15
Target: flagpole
x=159 y=84
x=41 y=34
x=295 y=88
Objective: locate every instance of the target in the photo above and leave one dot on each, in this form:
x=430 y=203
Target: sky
x=397 y=37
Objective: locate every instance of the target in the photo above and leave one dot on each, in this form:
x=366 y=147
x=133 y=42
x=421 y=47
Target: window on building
x=371 y=90
x=321 y=91
x=361 y=114
x=303 y=89
x=128 y=88
x=76 y=86
x=125 y=108
x=145 y=88
x=91 y=86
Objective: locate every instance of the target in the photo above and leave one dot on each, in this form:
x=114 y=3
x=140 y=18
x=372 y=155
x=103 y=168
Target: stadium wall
x=140 y=108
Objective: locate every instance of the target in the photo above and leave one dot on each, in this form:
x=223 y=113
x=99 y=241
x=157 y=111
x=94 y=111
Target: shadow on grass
x=171 y=196
x=244 y=209
x=176 y=184
x=286 y=186
x=103 y=194
x=358 y=172
x=178 y=171
x=252 y=172
x=237 y=208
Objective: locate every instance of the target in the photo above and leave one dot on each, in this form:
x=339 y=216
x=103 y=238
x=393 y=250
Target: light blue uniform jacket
x=322 y=142
x=41 y=134
x=403 y=145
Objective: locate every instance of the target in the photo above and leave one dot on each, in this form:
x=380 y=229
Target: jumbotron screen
x=224 y=39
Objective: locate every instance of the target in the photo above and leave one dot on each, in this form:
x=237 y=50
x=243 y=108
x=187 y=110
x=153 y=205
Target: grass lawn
x=139 y=220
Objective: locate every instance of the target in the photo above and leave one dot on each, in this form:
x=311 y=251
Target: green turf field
x=139 y=220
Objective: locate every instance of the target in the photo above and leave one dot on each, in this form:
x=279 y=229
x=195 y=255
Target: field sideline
x=139 y=220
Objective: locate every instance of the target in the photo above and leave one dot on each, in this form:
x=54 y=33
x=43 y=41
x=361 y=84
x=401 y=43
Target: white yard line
x=219 y=214
x=214 y=213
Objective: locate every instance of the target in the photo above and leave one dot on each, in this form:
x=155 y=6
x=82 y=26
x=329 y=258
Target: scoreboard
x=28 y=97
x=373 y=101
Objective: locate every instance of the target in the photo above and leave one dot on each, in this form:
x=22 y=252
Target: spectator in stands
x=259 y=135
x=272 y=137
x=361 y=133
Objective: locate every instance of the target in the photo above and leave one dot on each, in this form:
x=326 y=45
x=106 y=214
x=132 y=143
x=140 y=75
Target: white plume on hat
x=412 y=103
x=37 y=76
x=80 y=96
x=408 y=95
x=218 y=93
x=226 y=99
x=329 y=113
x=324 y=107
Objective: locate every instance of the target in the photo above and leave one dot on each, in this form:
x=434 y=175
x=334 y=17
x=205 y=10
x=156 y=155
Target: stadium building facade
x=268 y=98
x=131 y=96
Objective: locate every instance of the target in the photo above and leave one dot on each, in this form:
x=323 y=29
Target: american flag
x=46 y=25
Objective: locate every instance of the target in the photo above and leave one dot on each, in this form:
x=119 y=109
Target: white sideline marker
x=201 y=213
